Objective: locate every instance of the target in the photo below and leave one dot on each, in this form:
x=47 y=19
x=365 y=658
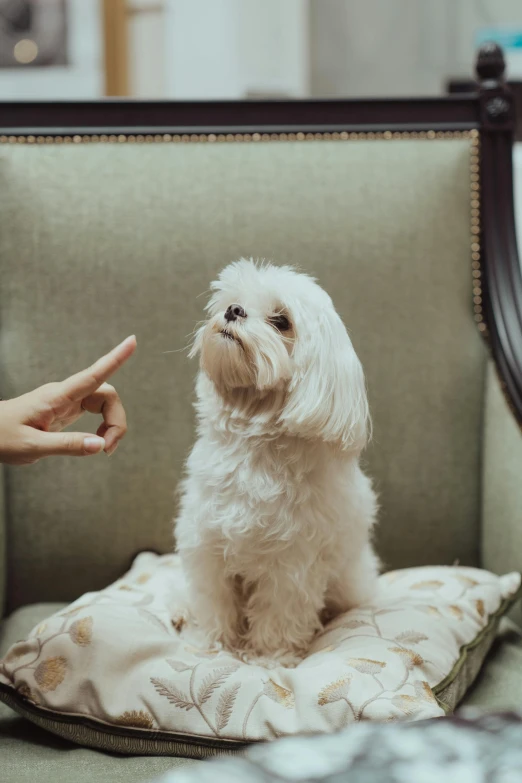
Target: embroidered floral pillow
x=112 y=672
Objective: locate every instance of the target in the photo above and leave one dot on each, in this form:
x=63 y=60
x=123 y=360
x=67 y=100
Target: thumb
x=68 y=444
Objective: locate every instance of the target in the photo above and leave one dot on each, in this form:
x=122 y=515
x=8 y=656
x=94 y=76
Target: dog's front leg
x=353 y=585
x=282 y=614
x=212 y=596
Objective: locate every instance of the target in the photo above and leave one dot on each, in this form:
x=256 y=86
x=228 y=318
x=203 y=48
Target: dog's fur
x=276 y=515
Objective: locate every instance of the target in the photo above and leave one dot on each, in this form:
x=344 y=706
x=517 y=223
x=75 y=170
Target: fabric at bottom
x=462 y=749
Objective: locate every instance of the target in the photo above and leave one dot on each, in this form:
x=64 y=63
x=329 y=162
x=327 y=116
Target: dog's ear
x=327 y=395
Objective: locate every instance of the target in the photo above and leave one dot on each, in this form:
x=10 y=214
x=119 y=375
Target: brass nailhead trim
x=220 y=138
x=475 y=232
x=168 y=138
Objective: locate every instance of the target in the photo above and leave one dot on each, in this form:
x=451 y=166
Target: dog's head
x=273 y=335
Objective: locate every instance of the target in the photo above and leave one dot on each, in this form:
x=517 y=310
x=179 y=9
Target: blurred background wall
x=244 y=48
x=404 y=47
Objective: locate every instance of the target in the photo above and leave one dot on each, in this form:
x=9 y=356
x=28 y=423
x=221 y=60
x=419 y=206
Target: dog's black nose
x=233 y=312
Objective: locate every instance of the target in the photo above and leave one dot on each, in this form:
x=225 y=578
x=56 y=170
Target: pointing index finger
x=87 y=381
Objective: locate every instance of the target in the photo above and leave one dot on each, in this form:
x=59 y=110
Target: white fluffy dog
x=276 y=515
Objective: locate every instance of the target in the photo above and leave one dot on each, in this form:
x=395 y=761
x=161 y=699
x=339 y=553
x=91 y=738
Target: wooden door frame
x=116 y=47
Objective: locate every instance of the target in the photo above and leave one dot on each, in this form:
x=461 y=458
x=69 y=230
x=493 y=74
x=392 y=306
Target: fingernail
x=110 y=451
x=93 y=445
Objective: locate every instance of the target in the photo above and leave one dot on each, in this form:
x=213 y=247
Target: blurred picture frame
x=33 y=33
x=51 y=49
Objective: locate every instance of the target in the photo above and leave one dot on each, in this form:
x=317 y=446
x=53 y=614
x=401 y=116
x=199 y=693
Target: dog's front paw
x=281 y=660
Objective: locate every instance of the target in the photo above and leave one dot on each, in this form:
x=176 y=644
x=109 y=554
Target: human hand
x=30 y=425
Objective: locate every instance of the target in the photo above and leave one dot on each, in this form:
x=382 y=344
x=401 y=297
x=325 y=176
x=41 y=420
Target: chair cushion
x=28 y=752
x=111 y=671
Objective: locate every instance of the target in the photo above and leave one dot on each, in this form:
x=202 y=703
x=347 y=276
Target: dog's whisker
x=189 y=337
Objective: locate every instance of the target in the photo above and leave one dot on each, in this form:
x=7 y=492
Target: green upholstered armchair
x=115 y=216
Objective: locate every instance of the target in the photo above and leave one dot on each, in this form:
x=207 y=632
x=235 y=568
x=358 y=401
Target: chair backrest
x=100 y=240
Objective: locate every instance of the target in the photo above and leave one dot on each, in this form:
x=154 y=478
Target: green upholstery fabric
x=502 y=485
x=99 y=241
x=499 y=684
x=28 y=753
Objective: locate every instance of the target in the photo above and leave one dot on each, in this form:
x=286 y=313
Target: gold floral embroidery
x=431 y=610
x=411 y=637
x=467 y=580
x=187 y=701
x=137 y=719
x=179 y=666
x=407 y=704
x=41 y=628
x=411 y=704
x=142 y=579
x=424 y=692
x=334 y=692
x=479 y=603
x=409 y=657
x=225 y=706
x=72 y=611
x=273 y=691
x=213 y=681
x=427 y=584
x=172 y=693
x=153 y=619
x=81 y=631
x=21 y=648
x=279 y=694
x=366 y=665
x=353 y=624
x=49 y=674
x=456 y=611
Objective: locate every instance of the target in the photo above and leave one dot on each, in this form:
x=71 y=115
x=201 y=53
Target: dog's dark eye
x=281 y=322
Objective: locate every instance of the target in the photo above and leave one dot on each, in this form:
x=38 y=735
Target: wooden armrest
x=501 y=277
